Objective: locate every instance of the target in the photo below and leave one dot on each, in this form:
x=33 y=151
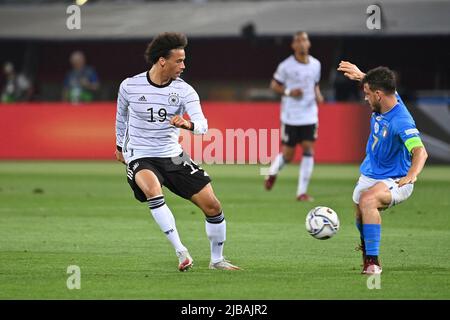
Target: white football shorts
x=398 y=194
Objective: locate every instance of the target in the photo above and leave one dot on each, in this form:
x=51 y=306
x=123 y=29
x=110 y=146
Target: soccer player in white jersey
x=297 y=80
x=150 y=109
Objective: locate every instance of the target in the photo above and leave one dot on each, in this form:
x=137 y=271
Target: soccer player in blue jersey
x=395 y=156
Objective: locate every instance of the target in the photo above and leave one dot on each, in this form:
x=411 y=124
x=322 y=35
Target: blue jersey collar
x=388 y=113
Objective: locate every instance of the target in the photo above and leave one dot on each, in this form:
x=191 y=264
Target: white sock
x=216 y=230
x=276 y=165
x=305 y=172
x=166 y=221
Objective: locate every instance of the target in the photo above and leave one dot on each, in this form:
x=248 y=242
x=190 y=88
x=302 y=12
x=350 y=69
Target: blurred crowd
x=80 y=83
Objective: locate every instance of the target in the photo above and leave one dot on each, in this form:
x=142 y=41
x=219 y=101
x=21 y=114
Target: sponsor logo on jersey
x=142 y=99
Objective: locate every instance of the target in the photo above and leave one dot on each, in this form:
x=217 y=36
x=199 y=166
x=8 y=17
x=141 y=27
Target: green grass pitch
x=56 y=214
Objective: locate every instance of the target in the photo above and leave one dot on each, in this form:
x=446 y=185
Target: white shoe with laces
x=223 y=265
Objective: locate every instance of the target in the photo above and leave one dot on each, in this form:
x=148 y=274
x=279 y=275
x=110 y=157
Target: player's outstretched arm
x=419 y=156
x=351 y=71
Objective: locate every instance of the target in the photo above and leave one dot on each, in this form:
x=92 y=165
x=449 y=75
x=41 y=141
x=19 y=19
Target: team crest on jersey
x=174 y=99
x=376 y=127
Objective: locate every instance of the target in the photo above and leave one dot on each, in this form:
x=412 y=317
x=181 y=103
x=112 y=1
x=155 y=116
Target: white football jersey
x=296 y=75
x=144 y=110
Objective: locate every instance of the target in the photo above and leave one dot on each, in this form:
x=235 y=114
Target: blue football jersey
x=392 y=136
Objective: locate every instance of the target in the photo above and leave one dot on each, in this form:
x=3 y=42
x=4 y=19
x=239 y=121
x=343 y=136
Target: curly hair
x=162 y=44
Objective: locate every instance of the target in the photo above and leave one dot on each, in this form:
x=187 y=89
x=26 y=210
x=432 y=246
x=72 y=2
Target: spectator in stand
x=17 y=86
x=80 y=83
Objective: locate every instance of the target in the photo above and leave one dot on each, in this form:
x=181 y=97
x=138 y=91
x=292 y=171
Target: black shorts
x=291 y=135
x=179 y=174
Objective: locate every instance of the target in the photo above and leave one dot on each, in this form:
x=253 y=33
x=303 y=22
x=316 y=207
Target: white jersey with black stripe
x=299 y=111
x=143 y=115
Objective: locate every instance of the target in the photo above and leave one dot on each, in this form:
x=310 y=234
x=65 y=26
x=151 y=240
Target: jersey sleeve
x=280 y=75
x=194 y=110
x=408 y=133
x=121 y=114
x=317 y=78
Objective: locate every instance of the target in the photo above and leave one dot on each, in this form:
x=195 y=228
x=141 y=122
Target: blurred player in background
x=395 y=156
x=297 y=80
x=150 y=108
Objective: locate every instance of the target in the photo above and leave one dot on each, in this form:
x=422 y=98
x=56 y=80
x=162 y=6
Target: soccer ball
x=322 y=223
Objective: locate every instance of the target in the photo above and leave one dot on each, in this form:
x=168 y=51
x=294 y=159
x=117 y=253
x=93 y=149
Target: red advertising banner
x=238 y=132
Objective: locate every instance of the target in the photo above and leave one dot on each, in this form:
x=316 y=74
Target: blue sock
x=359 y=226
x=372 y=237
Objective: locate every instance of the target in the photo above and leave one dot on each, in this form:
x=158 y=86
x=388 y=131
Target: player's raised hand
x=119 y=157
x=406 y=180
x=179 y=122
x=351 y=71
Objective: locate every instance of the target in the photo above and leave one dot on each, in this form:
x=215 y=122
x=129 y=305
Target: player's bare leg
x=370 y=201
x=305 y=171
x=206 y=200
x=150 y=186
x=215 y=226
x=286 y=156
x=148 y=183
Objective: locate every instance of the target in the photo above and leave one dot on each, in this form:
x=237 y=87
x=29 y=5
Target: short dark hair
x=380 y=78
x=162 y=44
